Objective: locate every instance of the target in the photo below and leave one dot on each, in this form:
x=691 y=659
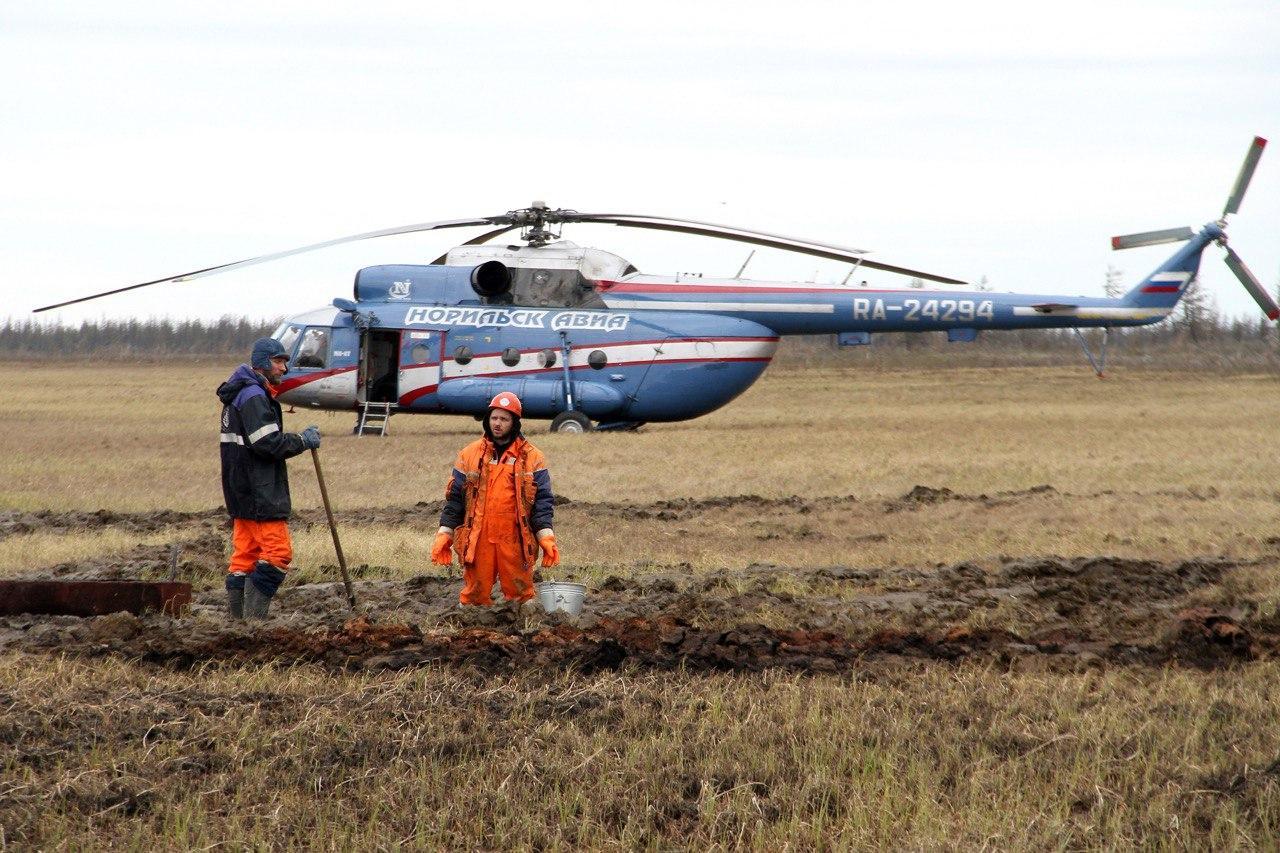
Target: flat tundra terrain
x=1007 y=608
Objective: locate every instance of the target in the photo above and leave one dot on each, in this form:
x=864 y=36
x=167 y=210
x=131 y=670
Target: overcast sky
x=1006 y=140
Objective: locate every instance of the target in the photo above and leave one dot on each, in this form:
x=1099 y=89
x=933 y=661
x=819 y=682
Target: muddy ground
x=1035 y=611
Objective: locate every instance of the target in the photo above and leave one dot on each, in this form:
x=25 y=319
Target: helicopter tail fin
x=1165 y=286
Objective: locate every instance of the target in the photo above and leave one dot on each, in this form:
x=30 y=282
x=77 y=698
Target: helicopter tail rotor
x=1216 y=232
x=1152 y=238
x=1246 y=175
x=1251 y=284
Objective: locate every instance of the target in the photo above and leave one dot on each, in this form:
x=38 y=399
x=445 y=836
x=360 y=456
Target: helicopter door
x=379 y=366
x=419 y=367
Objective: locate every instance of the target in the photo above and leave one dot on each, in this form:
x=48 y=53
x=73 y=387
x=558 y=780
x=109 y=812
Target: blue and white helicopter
x=588 y=341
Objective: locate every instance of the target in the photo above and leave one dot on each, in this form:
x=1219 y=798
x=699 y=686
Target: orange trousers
x=500 y=556
x=252 y=541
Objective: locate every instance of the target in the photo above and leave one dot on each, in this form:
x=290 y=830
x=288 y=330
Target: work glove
x=550 y=553
x=442 y=548
x=311 y=437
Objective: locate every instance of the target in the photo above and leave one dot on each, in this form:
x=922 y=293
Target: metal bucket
x=559 y=595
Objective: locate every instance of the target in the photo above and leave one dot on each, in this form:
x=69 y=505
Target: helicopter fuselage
x=567 y=328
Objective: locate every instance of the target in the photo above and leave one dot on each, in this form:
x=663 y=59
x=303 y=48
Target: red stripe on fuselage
x=743 y=290
x=1161 y=288
x=297 y=381
x=654 y=341
x=414 y=395
x=558 y=369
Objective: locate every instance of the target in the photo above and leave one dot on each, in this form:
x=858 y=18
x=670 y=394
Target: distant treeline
x=1205 y=340
x=132 y=339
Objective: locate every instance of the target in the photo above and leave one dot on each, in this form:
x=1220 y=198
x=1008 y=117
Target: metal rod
x=333 y=528
x=567 y=350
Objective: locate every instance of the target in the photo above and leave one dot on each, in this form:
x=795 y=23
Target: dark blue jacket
x=255 y=481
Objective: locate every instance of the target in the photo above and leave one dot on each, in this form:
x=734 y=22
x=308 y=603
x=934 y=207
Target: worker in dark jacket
x=498 y=510
x=255 y=482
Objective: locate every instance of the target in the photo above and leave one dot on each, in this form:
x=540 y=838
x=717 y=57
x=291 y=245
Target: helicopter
x=588 y=341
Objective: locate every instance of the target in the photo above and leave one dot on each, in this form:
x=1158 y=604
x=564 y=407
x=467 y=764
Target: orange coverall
x=496 y=536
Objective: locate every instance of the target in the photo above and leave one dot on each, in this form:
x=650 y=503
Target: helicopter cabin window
x=314 y=349
x=547 y=358
x=462 y=355
x=511 y=356
x=597 y=359
x=420 y=354
x=287 y=335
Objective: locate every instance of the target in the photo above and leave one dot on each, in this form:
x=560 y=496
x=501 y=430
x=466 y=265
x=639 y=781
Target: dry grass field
x=917 y=609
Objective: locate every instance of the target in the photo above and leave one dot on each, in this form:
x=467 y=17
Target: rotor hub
x=534 y=220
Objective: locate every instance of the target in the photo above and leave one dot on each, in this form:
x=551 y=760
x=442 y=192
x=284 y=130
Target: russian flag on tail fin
x=1164 y=287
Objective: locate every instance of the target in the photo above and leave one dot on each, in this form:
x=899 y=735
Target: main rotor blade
x=1245 y=176
x=759 y=238
x=1151 y=238
x=274 y=256
x=1251 y=284
x=475 y=241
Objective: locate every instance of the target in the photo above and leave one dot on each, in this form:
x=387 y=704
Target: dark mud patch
x=1050 y=610
x=921 y=496
x=1201 y=640
x=15 y=522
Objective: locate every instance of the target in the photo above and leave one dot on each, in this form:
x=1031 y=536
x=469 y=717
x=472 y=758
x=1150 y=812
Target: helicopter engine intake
x=491 y=279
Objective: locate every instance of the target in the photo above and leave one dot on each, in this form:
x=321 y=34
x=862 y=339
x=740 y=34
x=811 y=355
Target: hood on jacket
x=241 y=378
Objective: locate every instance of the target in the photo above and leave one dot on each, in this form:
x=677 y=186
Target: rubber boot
x=260 y=589
x=256 y=603
x=235 y=595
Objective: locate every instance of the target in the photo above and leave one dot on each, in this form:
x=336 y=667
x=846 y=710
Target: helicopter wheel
x=571 y=422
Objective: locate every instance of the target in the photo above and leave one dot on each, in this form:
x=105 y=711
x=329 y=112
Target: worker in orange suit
x=498 y=510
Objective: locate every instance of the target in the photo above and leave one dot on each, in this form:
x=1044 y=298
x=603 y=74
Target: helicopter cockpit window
x=314 y=349
x=287 y=335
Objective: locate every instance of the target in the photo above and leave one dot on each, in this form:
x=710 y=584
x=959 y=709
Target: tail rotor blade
x=1251 y=284
x=1246 y=175
x=1151 y=238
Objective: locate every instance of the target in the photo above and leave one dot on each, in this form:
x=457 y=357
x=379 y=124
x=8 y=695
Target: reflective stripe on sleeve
x=231 y=438
x=262 y=431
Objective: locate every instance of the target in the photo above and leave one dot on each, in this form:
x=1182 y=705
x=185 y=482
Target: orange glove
x=550 y=553
x=442 y=548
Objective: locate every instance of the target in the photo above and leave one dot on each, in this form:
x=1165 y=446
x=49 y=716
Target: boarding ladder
x=373 y=418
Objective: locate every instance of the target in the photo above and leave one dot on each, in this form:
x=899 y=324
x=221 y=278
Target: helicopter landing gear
x=571 y=422
x=1098 y=364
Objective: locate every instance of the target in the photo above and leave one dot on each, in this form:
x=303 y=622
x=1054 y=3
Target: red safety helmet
x=506 y=401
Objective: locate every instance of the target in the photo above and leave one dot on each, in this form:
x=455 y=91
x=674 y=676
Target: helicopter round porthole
x=420 y=354
x=462 y=355
x=511 y=356
x=597 y=359
x=547 y=358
